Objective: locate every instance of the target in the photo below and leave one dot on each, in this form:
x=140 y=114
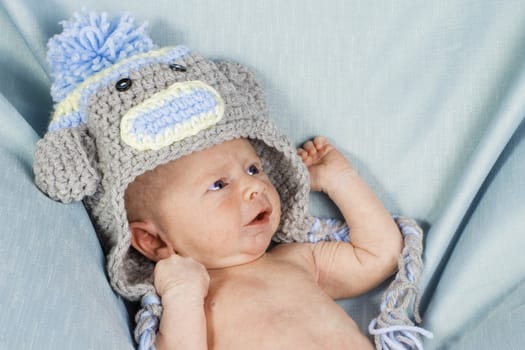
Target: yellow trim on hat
x=72 y=102
x=170 y=115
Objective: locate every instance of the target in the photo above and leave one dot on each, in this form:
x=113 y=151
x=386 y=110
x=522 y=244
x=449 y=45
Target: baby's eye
x=253 y=169
x=217 y=185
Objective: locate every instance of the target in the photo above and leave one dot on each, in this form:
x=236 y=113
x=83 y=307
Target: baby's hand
x=179 y=277
x=326 y=165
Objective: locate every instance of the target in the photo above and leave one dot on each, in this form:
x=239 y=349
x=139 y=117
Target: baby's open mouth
x=262 y=217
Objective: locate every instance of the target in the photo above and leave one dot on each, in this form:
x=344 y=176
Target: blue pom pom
x=90 y=43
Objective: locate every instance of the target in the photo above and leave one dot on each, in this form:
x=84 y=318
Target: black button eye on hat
x=123 y=84
x=178 y=67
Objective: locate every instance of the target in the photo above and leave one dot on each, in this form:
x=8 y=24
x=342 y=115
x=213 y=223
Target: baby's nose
x=254 y=188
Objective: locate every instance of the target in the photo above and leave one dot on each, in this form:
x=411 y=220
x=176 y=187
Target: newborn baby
x=188 y=180
x=208 y=218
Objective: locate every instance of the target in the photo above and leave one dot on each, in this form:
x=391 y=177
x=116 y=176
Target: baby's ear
x=63 y=164
x=146 y=240
x=245 y=83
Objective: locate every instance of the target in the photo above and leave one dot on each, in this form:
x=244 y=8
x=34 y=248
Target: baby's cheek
x=276 y=213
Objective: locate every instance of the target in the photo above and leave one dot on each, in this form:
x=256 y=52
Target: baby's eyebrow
x=252 y=157
x=209 y=174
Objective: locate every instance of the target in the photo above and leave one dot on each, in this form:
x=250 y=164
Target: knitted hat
x=123 y=107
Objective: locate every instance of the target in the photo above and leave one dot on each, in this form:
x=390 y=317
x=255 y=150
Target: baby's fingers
x=304 y=156
x=320 y=141
x=181 y=275
x=308 y=152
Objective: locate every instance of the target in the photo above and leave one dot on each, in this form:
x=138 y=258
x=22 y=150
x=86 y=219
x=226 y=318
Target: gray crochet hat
x=123 y=107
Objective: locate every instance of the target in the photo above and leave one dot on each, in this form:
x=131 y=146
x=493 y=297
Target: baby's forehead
x=232 y=149
x=200 y=162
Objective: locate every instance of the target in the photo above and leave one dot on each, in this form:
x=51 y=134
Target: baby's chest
x=256 y=309
x=262 y=292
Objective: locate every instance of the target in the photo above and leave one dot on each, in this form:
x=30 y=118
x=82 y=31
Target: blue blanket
x=427 y=100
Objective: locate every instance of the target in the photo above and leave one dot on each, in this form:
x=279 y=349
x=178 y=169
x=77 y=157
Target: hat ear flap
x=280 y=160
x=245 y=83
x=63 y=164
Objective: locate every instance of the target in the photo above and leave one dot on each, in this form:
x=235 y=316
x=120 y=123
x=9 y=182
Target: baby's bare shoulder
x=299 y=254
x=284 y=250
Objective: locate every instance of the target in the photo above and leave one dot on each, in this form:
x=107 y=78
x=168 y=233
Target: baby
x=207 y=219
x=188 y=181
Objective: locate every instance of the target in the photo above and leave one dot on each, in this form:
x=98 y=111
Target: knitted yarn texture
x=124 y=107
x=130 y=111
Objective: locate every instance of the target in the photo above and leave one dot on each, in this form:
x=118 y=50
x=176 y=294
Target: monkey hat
x=124 y=107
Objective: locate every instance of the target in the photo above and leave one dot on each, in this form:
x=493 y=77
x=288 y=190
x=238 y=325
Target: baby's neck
x=234 y=270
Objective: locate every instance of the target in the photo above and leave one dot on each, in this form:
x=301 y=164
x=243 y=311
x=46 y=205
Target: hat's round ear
x=63 y=164
x=245 y=83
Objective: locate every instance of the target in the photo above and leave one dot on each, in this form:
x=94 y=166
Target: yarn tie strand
x=392 y=328
x=147 y=320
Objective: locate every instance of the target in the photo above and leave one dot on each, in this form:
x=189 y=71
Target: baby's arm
x=182 y=283
x=349 y=269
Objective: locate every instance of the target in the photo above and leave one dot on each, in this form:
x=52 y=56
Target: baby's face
x=218 y=206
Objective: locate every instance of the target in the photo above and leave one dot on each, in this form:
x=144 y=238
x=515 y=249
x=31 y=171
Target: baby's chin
x=240 y=260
